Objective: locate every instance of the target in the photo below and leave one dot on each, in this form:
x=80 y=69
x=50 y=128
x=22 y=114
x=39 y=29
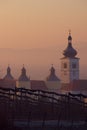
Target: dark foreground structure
x=22 y=109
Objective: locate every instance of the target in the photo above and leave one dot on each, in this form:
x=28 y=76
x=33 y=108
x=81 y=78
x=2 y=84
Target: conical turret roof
x=52 y=76
x=23 y=76
x=8 y=76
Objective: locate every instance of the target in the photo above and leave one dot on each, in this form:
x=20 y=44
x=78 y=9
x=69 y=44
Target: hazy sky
x=37 y=31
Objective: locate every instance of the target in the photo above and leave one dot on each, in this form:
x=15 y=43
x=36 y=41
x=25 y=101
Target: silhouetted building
x=76 y=87
x=52 y=81
x=8 y=81
x=8 y=76
x=23 y=81
x=69 y=81
x=69 y=64
x=38 y=85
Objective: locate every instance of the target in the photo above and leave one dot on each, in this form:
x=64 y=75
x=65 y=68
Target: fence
x=30 y=106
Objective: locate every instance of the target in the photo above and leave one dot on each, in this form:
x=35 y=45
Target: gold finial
x=69 y=31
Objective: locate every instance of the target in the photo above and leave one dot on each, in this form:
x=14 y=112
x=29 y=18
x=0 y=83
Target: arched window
x=65 y=65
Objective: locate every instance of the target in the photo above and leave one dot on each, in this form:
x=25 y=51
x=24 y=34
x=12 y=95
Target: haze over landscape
x=34 y=33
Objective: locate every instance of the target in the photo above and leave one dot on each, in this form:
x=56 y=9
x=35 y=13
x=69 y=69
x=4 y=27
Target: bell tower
x=69 y=63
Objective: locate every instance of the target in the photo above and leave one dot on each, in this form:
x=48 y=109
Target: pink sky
x=41 y=25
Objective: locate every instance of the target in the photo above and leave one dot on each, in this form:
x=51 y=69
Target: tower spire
x=23 y=76
x=70 y=32
x=52 y=76
x=69 y=51
x=8 y=76
x=69 y=37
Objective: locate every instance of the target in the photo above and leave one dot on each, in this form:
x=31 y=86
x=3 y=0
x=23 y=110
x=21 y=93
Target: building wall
x=23 y=84
x=69 y=69
x=65 y=77
x=74 y=71
x=7 y=83
x=53 y=86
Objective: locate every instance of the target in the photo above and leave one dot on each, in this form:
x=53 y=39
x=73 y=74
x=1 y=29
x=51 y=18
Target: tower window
x=73 y=65
x=65 y=65
x=74 y=73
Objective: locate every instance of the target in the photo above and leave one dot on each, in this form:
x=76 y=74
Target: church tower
x=23 y=81
x=69 y=64
x=8 y=76
x=52 y=81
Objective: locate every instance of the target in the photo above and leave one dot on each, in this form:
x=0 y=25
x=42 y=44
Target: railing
x=22 y=104
x=20 y=92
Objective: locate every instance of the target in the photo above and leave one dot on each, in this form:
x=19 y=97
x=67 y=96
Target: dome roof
x=8 y=76
x=23 y=76
x=69 y=37
x=69 y=51
x=52 y=76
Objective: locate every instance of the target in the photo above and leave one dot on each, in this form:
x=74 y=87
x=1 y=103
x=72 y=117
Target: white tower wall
x=69 y=69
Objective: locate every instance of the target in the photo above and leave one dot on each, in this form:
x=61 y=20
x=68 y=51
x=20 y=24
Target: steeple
x=69 y=37
x=23 y=76
x=69 y=63
x=8 y=75
x=52 y=70
x=52 y=76
x=70 y=51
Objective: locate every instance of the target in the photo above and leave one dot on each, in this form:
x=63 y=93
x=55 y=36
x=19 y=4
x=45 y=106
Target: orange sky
x=41 y=26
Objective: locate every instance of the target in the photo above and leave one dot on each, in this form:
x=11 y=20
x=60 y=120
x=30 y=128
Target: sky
x=34 y=33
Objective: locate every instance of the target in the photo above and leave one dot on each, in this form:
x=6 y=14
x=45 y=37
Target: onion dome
x=8 y=75
x=69 y=51
x=23 y=76
x=52 y=76
x=69 y=37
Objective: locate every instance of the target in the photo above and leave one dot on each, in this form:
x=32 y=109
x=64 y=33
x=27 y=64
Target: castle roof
x=52 y=76
x=23 y=76
x=69 y=51
x=8 y=76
